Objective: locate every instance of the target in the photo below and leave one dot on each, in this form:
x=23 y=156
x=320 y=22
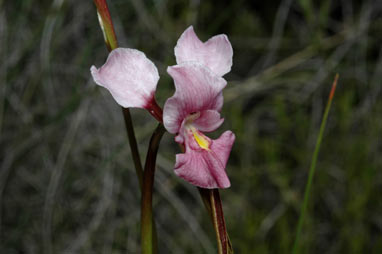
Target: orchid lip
x=201 y=140
x=199 y=137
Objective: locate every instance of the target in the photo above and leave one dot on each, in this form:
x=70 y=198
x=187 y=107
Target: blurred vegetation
x=67 y=182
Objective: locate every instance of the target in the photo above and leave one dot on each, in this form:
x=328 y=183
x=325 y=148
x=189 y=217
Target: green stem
x=313 y=167
x=147 y=227
x=133 y=146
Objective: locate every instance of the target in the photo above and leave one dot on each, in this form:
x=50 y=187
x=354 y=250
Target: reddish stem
x=333 y=87
x=215 y=199
x=213 y=204
x=155 y=110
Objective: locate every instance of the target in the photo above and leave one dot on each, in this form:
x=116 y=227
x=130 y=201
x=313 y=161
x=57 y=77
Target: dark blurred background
x=67 y=181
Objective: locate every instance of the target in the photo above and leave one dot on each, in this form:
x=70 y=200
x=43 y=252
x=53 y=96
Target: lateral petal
x=130 y=77
x=209 y=120
x=216 y=53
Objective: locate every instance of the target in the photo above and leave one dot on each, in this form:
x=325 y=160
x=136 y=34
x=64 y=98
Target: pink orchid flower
x=194 y=109
x=130 y=77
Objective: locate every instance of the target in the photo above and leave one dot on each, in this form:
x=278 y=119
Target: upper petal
x=197 y=89
x=130 y=77
x=206 y=168
x=216 y=53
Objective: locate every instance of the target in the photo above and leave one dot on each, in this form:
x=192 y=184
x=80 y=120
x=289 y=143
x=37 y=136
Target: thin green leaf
x=312 y=169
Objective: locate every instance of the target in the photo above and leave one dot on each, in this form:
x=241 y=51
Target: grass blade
x=313 y=167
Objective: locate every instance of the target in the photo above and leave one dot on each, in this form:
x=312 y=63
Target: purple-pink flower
x=195 y=107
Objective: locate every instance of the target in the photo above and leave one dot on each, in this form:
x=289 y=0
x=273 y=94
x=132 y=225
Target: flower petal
x=130 y=77
x=219 y=102
x=197 y=89
x=206 y=168
x=216 y=53
x=209 y=120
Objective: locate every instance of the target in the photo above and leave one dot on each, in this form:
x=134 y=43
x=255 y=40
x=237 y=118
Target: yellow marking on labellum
x=201 y=140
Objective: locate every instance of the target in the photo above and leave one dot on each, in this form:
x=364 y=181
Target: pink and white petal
x=216 y=53
x=206 y=168
x=187 y=46
x=197 y=89
x=209 y=120
x=130 y=77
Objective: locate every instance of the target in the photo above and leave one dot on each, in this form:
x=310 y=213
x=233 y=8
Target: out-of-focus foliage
x=67 y=183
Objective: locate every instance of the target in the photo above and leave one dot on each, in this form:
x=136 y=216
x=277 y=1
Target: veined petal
x=209 y=120
x=130 y=77
x=206 y=168
x=197 y=89
x=216 y=53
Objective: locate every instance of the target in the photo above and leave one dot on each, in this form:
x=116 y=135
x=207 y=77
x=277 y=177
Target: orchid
x=131 y=78
x=195 y=108
x=192 y=110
